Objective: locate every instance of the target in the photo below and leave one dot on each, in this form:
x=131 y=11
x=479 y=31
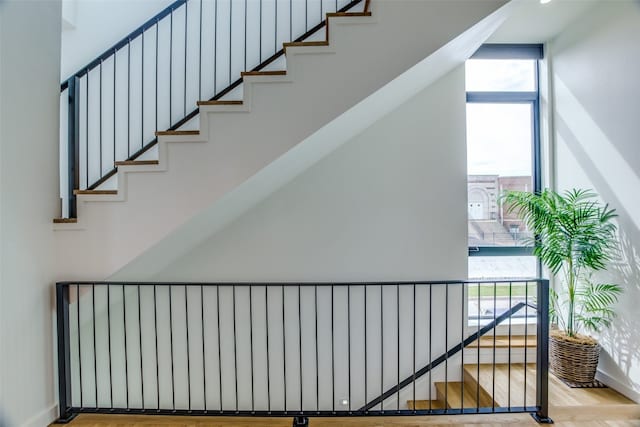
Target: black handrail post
x=64 y=353
x=73 y=143
x=542 y=368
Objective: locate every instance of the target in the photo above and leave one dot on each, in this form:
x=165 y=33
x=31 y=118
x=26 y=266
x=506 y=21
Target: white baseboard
x=618 y=386
x=42 y=419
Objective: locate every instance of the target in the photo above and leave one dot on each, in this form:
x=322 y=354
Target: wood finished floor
x=568 y=408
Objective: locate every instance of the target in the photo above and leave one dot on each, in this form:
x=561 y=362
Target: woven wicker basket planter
x=573 y=361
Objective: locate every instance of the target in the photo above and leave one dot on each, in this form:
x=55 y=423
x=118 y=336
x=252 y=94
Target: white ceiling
x=533 y=22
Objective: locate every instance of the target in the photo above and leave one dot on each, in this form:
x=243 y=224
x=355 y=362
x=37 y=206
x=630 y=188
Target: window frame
x=513 y=51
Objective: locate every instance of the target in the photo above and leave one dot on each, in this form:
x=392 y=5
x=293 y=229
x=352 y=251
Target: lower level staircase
x=485 y=386
x=514 y=386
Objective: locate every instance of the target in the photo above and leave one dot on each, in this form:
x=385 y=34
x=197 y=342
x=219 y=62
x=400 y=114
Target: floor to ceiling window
x=503 y=153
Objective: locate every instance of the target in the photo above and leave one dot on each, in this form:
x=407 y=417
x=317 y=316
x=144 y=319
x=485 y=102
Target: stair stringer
x=194 y=177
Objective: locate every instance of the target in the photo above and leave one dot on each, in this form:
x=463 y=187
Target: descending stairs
x=506 y=383
x=514 y=386
x=238 y=138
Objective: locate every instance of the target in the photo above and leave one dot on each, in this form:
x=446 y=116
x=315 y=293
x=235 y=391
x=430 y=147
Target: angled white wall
x=595 y=68
x=387 y=205
x=29 y=85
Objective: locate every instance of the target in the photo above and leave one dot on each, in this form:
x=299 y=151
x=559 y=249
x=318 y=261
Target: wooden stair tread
x=459 y=395
x=220 y=102
x=424 y=404
x=102 y=192
x=507 y=385
x=65 y=220
x=559 y=393
x=335 y=14
x=502 y=341
x=136 y=162
x=264 y=73
x=312 y=43
x=177 y=132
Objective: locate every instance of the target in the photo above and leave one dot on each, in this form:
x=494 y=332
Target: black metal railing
x=293 y=350
x=150 y=80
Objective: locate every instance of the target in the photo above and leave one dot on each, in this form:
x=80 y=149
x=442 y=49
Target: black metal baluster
x=200 y=55
x=430 y=343
x=100 y=116
x=333 y=356
x=349 y=342
x=79 y=348
x=173 y=388
x=509 y=352
x=73 y=143
x=300 y=344
x=65 y=385
x=215 y=47
x=315 y=292
x=109 y=345
x=100 y=121
x=142 y=92
x=526 y=334
x=284 y=352
x=290 y=20
x=156 y=70
x=462 y=323
x=245 y=35
x=366 y=370
x=542 y=349
x=260 y=37
x=219 y=347
x=230 y=37
x=414 y=346
x=235 y=344
x=155 y=327
x=87 y=133
x=140 y=343
x=204 y=359
x=95 y=364
x=446 y=346
x=186 y=15
x=478 y=357
x=114 y=105
x=253 y=406
x=186 y=321
x=381 y=347
x=171 y=68
x=126 y=355
x=266 y=322
x=128 y=99
x=493 y=380
x=398 y=348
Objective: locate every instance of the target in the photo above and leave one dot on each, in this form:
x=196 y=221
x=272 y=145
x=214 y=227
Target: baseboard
x=44 y=418
x=618 y=386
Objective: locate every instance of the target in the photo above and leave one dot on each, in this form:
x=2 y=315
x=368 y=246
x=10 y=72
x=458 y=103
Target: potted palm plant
x=575 y=236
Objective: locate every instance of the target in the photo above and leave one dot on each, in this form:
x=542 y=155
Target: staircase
x=278 y=109
x=485 y=386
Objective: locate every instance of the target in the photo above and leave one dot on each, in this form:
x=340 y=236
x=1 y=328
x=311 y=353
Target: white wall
x=29 y=79
x=595 y=68
x=385 y=206
x=93 y=26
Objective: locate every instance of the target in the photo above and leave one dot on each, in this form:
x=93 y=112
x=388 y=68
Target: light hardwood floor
x=568 y=408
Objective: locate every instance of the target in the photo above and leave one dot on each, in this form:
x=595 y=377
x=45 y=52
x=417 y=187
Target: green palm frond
x=575 y=235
